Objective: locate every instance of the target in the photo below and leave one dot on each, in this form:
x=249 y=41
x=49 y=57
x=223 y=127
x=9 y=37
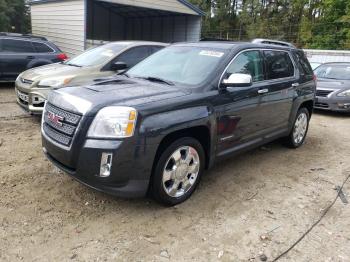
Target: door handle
x=295 y=84
x=30 y=57
x=263 y=91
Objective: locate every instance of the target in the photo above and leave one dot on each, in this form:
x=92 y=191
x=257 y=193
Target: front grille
x=60 y=125
x=323 y=93
x=321 y=105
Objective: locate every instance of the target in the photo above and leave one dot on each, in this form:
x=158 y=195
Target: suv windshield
x=341 y=72
x=179 y=64
x=96 y=56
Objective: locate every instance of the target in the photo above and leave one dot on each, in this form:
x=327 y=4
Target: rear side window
x=18 y=46
x=303 y=63
x=42 y=48
x=133 y=56
x=249 y=62
x=278 y=64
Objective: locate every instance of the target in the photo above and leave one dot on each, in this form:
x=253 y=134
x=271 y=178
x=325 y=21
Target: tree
x=14 y=16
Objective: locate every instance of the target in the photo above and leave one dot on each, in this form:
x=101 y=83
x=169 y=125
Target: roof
x=184 y=2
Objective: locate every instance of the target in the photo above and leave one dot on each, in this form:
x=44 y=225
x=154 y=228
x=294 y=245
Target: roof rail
x=23 y=36
x=272 y=42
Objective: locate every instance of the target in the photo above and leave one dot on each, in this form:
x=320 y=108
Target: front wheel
x=178 y=171
x=301 y=125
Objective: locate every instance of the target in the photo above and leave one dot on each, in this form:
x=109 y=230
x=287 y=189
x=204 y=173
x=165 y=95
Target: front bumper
x=131 y=165
x=31 y=99
x=333 y=103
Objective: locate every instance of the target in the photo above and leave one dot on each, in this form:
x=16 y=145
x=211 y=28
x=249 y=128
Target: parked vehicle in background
x=333 y=87
x=33 y=86
x=21 y=52
x=314 y=65
x=158 y=126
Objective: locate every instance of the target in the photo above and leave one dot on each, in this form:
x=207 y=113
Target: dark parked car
x=161 y=124
x=21 y=52
x=333 y=87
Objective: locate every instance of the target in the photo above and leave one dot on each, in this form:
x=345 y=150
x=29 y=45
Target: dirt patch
x=257 y=203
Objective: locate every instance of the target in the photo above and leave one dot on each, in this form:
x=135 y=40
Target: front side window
x=250 y=63
x=188 y=65
x=133 y=56
x=341 y=71
x=278 y=64
x=17 y=46
x=97 y=56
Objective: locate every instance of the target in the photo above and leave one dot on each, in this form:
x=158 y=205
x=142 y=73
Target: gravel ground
x=257 y=203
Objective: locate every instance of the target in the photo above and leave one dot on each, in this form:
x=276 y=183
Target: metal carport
x=75 y=25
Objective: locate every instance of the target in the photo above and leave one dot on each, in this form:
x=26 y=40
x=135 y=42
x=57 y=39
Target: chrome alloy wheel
x=181 y=171
x=300 y=128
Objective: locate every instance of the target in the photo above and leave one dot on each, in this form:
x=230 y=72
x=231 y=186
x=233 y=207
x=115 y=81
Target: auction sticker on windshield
x=211 y=53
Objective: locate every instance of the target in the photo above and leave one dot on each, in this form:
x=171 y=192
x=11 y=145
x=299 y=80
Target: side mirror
x=237 y=80
x=117 y=66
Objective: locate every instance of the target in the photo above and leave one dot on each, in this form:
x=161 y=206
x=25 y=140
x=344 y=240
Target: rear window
x=278 y=64
x=18 y=46
x=42 y=48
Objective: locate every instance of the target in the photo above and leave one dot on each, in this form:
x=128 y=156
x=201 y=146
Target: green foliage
x=14 y=16
x=323 y=24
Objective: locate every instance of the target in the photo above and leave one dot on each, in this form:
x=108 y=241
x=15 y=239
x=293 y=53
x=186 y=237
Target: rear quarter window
x=303 y=63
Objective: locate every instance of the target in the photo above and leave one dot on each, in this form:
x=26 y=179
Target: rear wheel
x=178 y=171
x=301 y=125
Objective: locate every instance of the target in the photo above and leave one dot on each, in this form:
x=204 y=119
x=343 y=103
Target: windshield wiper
x=73 y=65
x=158 y=79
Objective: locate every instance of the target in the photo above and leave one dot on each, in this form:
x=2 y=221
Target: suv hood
x=88 y=100
x=54 y=70
x=333 y=84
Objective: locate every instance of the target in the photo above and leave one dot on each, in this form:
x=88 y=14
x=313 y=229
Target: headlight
x=344 y=93
x=114 y=122
x=55 y=82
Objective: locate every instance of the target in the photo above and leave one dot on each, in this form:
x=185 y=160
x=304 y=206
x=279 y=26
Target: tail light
x=62 y=57
x=314 y=77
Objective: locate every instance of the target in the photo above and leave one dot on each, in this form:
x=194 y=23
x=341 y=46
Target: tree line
x=319 y=24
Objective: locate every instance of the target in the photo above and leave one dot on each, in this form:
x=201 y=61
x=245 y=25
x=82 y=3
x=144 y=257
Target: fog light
x=37 y=99
x=106 y=164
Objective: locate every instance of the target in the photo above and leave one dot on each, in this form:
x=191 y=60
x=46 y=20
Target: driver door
x=239 y=118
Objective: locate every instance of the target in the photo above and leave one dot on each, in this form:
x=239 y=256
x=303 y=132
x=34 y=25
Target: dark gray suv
x=178 y=112
x=20 y=52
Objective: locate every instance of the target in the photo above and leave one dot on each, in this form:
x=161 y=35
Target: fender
x=38 y=62
x=302 y=95
x=154 y=128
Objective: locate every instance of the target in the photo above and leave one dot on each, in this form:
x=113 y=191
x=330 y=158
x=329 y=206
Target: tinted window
x=154 y=49
x=279 y=64
x=303 y=63
x=42 y=48
x=133 y=56
x=18 y=46
x=250 y=63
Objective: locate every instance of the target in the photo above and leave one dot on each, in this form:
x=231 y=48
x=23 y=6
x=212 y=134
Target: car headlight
x=344 y=93
x=114 y=122
x=55 y=82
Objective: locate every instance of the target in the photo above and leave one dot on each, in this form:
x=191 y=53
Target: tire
x=296 y=138
x=178 y=171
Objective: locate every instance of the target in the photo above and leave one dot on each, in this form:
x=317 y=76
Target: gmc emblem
x=56 y=119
